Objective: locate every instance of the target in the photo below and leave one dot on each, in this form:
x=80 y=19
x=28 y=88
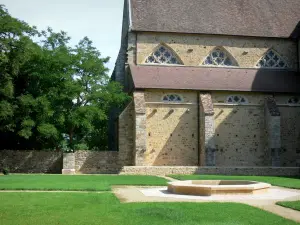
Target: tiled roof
x=262 y=18
x=204 y=78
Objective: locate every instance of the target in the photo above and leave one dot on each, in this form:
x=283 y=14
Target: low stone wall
x=108 y=162
x=185 y=170
x=97 y=162
x=31 y=161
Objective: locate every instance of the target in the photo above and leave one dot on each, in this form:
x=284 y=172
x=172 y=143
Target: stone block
x=68 y=171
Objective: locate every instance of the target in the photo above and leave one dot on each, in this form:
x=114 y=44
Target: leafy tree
x=52 y=95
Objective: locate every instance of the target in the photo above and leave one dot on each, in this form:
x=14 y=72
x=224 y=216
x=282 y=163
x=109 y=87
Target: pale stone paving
x=265 y=201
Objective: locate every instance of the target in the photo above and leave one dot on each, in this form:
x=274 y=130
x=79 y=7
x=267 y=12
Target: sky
x=100 y=20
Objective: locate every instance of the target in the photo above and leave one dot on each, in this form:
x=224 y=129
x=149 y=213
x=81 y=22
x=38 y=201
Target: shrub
x=5 y=171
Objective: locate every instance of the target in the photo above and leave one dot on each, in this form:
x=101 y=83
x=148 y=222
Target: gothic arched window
x=163 y=55
x=237 y=99
x=272 y=60
x=172 y=98
x=219 y=57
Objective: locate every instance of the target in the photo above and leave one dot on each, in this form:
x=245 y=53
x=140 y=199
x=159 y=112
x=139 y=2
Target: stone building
x=213 y=84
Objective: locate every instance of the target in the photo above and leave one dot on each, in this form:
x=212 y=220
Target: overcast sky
x=100 y=20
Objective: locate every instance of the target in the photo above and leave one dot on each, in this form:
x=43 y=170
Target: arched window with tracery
x=272 y=59
x=237 y=99
x=219 y=57
x=163 y=55
x=172 y=98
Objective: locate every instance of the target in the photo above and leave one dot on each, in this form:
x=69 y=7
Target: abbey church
x=214 y=83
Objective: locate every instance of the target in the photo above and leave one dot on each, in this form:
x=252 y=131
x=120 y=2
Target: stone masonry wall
x=139 y=128
x=126 y=136
x=172 y=130
x=290 y=131
x=273 y=130
x=193 y=49
x=31 y=161
x=250 y=171
x=290 y=136
x=96 y=162
x=240 y=131
x=207 y=130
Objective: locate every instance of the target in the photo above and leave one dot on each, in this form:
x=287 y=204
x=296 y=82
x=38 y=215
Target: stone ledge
x=68 y=171
x=186 y=170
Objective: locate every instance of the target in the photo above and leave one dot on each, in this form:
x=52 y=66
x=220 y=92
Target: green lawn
x=105 y=209
x=293 y=204
x=75 y=182
x=277 y=181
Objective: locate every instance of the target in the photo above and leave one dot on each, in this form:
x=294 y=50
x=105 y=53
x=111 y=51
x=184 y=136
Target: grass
x=75 y=182
x=292 y=204
x=105 y=209
x=277 y=181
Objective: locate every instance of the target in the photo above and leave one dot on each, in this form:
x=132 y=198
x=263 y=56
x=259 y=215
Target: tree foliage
x=52 y=95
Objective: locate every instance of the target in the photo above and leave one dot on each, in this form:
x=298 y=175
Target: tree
x=52 y=95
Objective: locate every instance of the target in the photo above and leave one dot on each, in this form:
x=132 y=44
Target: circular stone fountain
x=215 y=187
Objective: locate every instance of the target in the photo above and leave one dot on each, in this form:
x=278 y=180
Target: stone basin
x=217 y=187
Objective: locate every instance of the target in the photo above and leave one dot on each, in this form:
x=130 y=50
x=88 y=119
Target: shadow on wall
x=172 y=138
x=241 y=136
x=31 y=161
x=93 y=162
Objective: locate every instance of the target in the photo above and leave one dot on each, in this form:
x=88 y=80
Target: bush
x=5 y=171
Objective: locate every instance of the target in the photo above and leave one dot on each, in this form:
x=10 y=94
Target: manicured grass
x=293 y=204
x=105 y=209
x=277 y=181
x=75 y=182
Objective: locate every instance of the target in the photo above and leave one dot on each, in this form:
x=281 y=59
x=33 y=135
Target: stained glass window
x=294 y=101
x=271 y=60
x=236 y=99
x=163 y=55
x=219 y=57
x=172 y=98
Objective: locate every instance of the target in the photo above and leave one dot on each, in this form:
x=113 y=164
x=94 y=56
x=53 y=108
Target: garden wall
x=110 y=162
x=31 y=161
x=96 y=162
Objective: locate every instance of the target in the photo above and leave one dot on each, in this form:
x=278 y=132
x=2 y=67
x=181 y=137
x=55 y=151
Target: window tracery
x=172 y=98
x=237 y=99
x=219 y=57
x=163 y=55
x=272 y=60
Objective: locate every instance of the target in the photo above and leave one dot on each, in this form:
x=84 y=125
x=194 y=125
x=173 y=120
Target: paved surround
x=265 y=201
x=272 y=194
x=217 y=187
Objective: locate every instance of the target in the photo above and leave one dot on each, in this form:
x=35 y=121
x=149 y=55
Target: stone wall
x=31 y=161
x=193 y=49
x=241 y=133
x=250 y=171
x=126 y=135
x=290 y=136
x=207 y=130
x=172 y=130
x=290 y=130
x=96 y=162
